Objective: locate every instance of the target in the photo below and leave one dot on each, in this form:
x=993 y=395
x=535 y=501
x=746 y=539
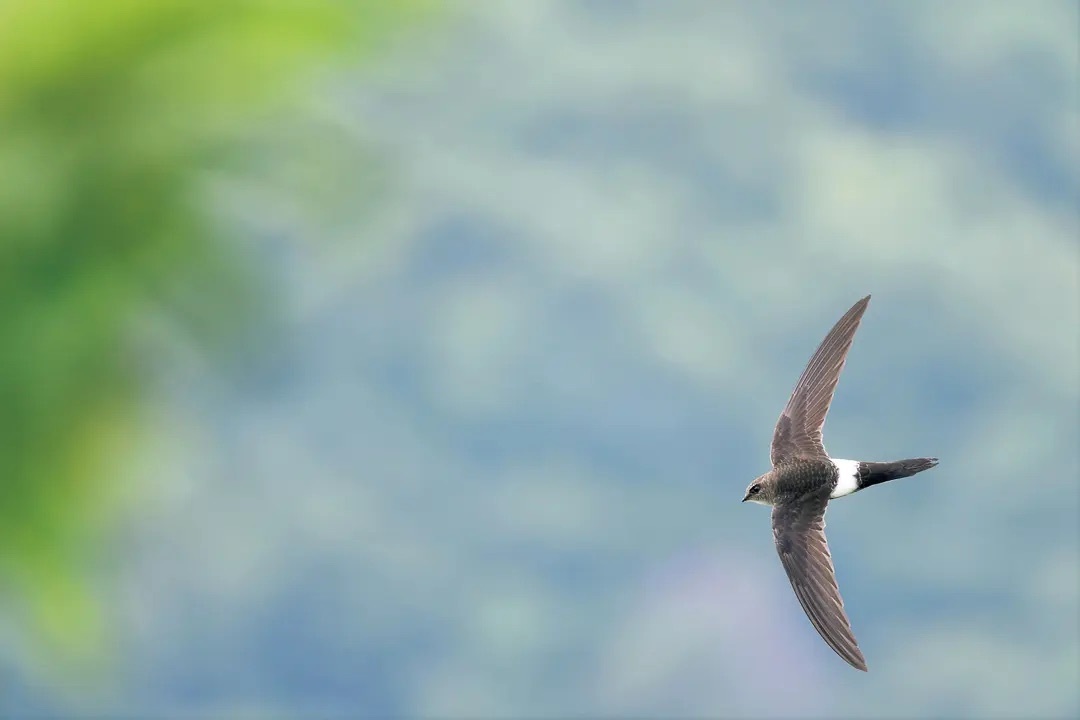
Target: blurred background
x=411 y=359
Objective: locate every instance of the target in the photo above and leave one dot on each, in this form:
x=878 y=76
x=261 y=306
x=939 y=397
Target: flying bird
x=803 y=480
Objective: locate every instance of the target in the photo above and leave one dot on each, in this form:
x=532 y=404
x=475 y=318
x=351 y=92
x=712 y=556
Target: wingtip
x=857 y=661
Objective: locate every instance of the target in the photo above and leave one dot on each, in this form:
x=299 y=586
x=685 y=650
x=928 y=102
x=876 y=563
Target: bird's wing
x=798 y=431
x=799 y=533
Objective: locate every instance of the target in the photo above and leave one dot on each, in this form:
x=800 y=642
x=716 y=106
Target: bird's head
x=761 y=490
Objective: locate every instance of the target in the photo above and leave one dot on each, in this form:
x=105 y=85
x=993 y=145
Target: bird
x=804 y=478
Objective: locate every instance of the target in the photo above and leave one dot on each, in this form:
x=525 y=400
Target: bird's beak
x=746 y=497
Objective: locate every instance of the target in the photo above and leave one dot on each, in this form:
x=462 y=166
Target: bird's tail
x=872 y=473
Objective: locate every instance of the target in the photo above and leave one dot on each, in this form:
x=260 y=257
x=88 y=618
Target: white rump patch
x=848 y=482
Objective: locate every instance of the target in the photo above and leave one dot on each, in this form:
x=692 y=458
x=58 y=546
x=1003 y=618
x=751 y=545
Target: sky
x=490 y=464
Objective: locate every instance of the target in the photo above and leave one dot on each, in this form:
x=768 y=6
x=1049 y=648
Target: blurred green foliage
x=110 y=112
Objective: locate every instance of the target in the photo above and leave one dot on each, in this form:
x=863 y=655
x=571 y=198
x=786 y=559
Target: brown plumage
x=798 y=431
x=804 y=478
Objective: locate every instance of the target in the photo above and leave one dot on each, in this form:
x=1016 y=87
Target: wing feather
x=799 y=533
x=798 y=431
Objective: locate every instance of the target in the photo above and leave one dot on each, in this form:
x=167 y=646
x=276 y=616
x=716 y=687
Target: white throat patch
x=848 y=482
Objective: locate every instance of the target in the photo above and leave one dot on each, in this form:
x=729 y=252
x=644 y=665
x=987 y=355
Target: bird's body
x=794 y=479
x=804 y=479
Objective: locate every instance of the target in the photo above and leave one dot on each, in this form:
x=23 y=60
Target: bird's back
x=796 y=478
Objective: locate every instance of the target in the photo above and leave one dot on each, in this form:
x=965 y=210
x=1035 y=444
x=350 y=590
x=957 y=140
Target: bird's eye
x=755 y=489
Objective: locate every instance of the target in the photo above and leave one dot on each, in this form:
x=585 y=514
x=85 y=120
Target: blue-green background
x=537 y=281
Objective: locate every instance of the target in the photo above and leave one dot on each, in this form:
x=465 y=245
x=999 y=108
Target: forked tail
x=872 y=473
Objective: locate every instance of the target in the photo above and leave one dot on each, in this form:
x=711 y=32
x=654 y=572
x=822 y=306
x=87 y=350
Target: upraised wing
x=799 y=533
x=798 y=431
